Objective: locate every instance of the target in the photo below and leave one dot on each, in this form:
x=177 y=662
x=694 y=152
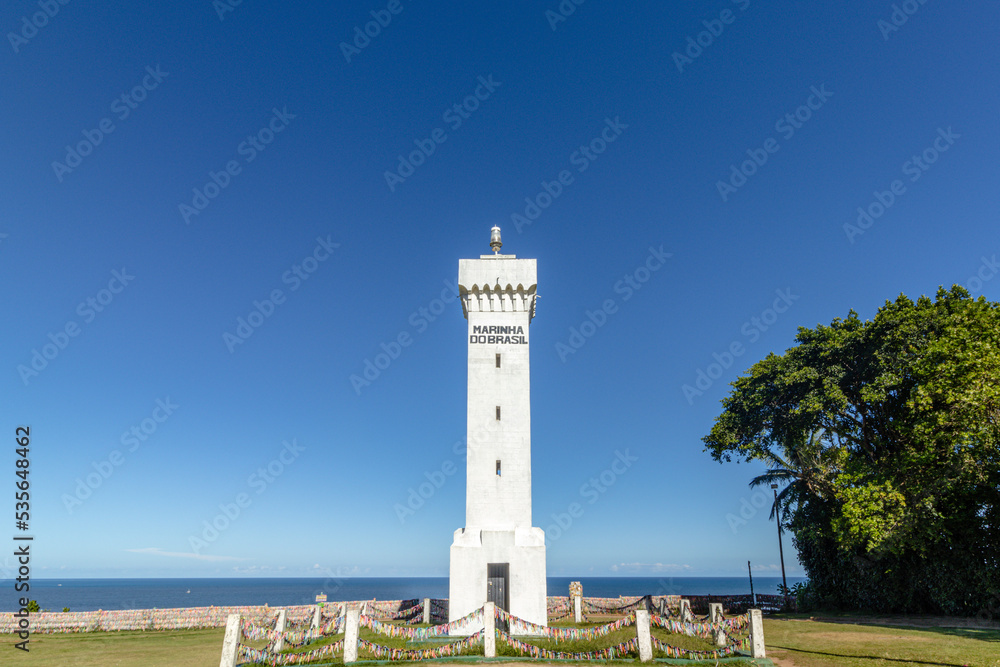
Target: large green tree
x=887 y=434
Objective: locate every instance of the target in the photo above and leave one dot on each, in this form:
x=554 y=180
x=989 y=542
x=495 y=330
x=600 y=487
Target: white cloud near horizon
x=650 y=567
x=772 y=567
x=157 y=551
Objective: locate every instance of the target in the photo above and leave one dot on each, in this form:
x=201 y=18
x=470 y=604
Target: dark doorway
x=498 y=587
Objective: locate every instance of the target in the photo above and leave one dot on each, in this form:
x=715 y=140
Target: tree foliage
x=885 y=434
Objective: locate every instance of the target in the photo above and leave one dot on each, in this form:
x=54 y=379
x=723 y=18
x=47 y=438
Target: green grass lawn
x=804 y=643
x=163 y=648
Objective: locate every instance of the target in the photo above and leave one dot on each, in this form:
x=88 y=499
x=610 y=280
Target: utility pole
x=781 y=550
x=753 y=597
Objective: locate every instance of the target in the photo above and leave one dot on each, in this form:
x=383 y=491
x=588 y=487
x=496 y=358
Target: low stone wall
x=215 y=617
x=142 y=619
x=739 y=604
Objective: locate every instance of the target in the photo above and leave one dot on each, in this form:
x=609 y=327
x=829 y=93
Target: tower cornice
x=497 y=283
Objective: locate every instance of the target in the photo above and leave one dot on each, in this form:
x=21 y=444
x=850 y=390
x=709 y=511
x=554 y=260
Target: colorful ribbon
x=611 y=653
x=386 y=653
x=676 y=652
x=445 y=629
x=292 y=638
x=265 y=657
x=519 y=626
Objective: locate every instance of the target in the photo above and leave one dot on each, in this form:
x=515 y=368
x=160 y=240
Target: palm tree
x=802 y=469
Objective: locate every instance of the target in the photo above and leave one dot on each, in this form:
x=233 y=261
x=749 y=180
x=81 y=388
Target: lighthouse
x=498 y=556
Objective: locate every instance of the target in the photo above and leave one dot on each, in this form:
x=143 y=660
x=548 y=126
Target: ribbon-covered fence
x=704 y=630
x=517 y=634
x=557 y=607
x=266 y=657
x=244 y=630
x=301 y=617
x=291 y=638
x=632 y=645
x=662 y=604
x=388 y=653
x=443 y=630
x=739 y=604
x=519 y=626
x=611 y=653
x=711 y=654
x=408 y=611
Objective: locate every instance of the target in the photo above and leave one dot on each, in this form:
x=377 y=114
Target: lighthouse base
x=503 y=566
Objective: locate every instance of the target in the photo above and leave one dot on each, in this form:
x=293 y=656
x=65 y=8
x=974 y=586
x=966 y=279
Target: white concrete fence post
x=342 y=623
x=351 y=635
x=685 y=610
x=715 y=616
x=427 y=611
x=317 y=616
x=578 y=609
x=642 y=632
x=279 y=626
x=231 y=643
x=756 y=634
x=489 y=630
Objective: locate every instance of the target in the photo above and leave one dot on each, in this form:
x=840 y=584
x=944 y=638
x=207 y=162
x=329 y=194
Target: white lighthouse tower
x=499 y=556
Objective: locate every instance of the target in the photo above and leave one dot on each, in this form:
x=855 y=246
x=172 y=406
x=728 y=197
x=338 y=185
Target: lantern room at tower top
x=498 y=556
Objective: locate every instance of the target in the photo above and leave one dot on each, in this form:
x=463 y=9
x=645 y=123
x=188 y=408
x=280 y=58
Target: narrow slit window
x=498 y=413
x=498 y=361
x=498 y=467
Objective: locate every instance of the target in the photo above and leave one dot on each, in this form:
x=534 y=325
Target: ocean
x=109 y=594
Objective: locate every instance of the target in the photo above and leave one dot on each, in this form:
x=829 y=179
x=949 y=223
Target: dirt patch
x=780 y=658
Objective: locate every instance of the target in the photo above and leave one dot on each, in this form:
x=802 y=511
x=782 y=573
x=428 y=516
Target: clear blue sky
x=140 y=107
